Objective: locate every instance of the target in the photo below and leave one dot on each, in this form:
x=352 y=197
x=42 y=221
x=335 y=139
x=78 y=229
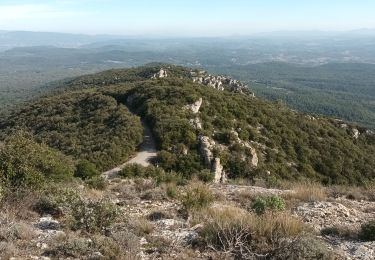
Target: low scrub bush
x=340 y=231
x=97 y=182
x=87 y=248
x=25 y=163
x=367 y=232
x=261 y=204
x=171 y=190
x=56 y=201
x=156 y=173
x=93 y=216
x=85 y=170
x=197 y=197
x=245 y=235
x=305 y=247
x=205 y=176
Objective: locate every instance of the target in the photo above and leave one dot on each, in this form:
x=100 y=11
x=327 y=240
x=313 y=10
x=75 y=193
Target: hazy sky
x=185 y=17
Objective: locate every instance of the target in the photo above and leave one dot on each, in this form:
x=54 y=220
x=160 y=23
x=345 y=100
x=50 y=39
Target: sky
x=185 y=17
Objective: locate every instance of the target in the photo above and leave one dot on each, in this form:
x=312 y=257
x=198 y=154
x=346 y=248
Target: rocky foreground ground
x=164 y=231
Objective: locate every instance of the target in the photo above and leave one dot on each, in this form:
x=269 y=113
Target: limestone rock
x=254 y=156
x=196 y=123
x=206 y=147
x=161 y=74
x=217 y=170
x=355 y=133
x=220 y=82
x=47 y=223
x=195 y=106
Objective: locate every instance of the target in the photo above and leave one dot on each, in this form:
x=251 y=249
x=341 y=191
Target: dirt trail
x=146 y=152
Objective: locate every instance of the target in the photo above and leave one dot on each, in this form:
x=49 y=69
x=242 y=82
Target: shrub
x=171 y=190
x=156 y=173
x=367 y=232
x=85 y=170
x=93 y=216
x=308 y=248
x=84 y=248
x=97 y=182
x=339 y=231
x=205 y=176
x=56 y=201
x=245 y=235
x=197 y=197
x=25 y=163
x=273 y=203
x=132 y=170
x=141 y=226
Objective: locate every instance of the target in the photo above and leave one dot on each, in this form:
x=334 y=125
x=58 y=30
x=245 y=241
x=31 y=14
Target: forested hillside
x=90 y=120
x=342 y=90
x=83 y=124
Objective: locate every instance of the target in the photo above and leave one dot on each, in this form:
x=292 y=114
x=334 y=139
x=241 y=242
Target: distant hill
x=11 y=39
x=200 y=121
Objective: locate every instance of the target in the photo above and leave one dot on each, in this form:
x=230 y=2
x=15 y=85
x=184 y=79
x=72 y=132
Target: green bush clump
x=28 y=164
x=262 y=204
x=57 y=201
x=367 y=232
x=205 y=176
x=156 y=173
x=85 y=170
x=84 y=124
x=97 y=182
x=93 y=216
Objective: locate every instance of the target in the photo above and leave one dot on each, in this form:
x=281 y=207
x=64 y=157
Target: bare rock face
x=254 y=155
x=196 y=123
x=206 y=149
x=355 y=133
x=214 y=164
x=195 y=106
x=217 y=170
x=254 y=159
x=161 y=74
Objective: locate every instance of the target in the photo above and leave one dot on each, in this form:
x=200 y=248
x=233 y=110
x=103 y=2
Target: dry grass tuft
x=353 y=192
x=239 y=233
x=198 y=196
x=141 y=226
x=308 y=192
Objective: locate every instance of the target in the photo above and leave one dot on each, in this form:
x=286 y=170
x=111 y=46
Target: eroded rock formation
x=219 y=82
x=206 y=147
x=161 y=74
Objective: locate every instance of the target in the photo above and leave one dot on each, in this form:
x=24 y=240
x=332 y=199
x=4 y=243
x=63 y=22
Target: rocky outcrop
x=206 y=147
x=254 y=156
x=355 y=133
x=48 y=223
x=218 y=171
x=195 y=106
x=196 y=123
x=220 y=82
x=161 y=74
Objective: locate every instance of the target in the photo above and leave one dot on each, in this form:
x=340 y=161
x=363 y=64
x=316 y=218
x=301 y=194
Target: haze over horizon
x=169 y=18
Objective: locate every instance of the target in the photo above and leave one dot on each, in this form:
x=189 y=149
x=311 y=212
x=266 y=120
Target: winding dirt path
x=146 y=152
